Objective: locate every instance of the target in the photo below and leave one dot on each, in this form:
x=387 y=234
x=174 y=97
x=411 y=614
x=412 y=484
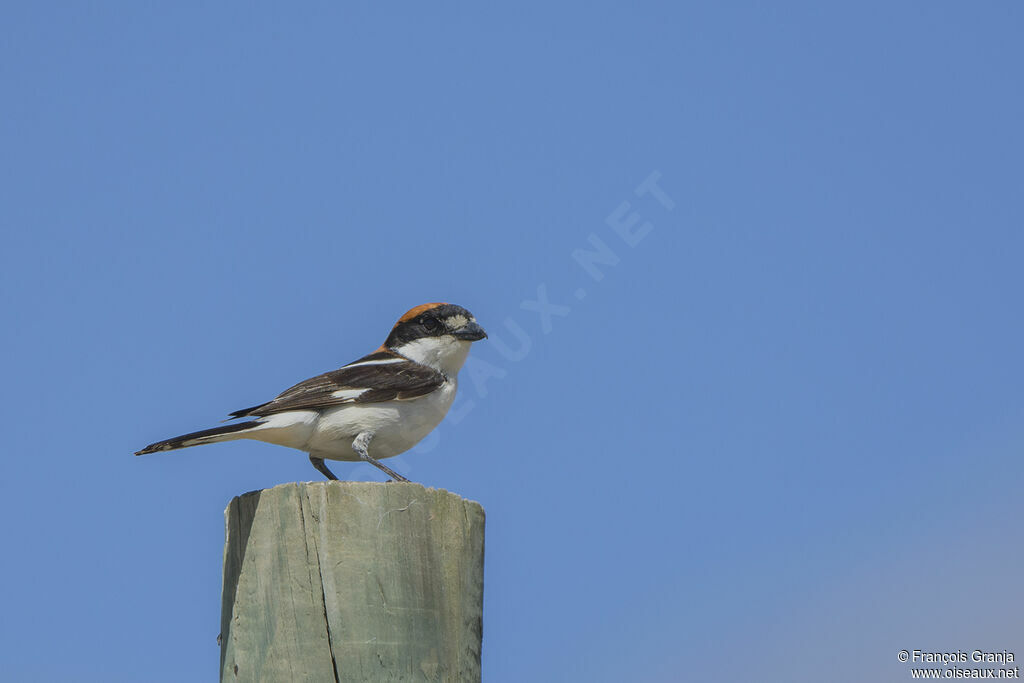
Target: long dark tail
x=225 y=433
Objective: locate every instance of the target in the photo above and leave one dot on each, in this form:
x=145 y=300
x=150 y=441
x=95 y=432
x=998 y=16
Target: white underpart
x=445 y=354
x=396 y=425
x=348 y=393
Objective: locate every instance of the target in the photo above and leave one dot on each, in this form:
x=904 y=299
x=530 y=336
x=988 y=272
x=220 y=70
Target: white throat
x=445 y=354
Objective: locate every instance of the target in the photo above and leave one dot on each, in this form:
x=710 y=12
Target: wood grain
x=352 y=581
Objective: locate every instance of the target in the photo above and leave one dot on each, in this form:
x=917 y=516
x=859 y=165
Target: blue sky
x=778 y=439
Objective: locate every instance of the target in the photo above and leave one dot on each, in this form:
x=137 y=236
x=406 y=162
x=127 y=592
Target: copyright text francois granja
x=979 y=656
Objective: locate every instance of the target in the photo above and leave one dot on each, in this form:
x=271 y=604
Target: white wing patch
x=383 y=361
x=349 y=394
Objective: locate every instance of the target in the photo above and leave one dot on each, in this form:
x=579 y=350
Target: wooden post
x=352 y=581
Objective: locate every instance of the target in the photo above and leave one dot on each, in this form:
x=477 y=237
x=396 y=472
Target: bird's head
x=438 y=335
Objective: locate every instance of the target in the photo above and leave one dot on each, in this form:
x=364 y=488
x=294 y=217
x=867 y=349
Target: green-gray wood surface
x=352 y=581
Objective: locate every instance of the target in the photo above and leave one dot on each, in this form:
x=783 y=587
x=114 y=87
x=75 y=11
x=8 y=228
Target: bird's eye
x=431 y=325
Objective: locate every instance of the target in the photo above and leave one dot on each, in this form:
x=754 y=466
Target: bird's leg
x=318 y=463
x=360 y=445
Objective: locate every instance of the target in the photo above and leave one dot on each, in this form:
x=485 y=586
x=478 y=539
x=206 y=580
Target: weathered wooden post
x=352 y=581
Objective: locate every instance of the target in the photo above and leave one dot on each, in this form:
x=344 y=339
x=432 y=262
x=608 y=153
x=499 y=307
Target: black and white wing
x=381 y=376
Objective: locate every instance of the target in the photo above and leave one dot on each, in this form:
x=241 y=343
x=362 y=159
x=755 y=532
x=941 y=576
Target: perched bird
x=376 y=407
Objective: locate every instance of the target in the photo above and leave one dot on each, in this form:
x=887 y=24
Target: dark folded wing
x=373 y=379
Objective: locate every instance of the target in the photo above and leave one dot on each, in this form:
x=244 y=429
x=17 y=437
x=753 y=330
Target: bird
x=375 y=407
